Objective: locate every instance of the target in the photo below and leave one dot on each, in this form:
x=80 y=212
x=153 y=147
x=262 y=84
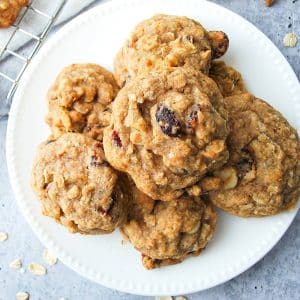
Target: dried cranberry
x=116 y=139
x=192 y=119
x=105 y=209
x=167 y=121
x=246 y=162
x=220 y=42
x=98 y=145
x=96 y=161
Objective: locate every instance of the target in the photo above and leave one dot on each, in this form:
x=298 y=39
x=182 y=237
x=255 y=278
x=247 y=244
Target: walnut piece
x=269 y=2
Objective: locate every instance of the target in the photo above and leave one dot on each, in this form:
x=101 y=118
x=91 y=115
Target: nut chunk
x=168 y=129
x=76 y=185
x=269 y=2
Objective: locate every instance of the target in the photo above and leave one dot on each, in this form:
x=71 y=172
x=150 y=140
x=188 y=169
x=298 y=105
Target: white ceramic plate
x=95 y=37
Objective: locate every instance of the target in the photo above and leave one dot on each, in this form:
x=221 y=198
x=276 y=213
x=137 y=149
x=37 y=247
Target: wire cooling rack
x=25 y=60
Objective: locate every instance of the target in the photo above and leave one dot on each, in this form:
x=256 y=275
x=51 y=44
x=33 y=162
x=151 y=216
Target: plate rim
x=66 y=258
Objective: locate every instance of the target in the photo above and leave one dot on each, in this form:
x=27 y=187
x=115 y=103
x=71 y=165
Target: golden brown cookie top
x=80 y=100
x=262 y=176
x=9 y=10
x=229 y=80
x=168 y=230
x=76 y=185
x=168 y=41
x=168 y=129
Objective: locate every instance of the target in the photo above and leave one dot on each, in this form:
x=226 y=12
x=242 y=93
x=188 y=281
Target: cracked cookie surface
x=229 y=80
x=77 y=187
x=167 y=232
x=262 y=176
x=9 y=11
x=168 y=41
x=168 y=129
x=80 y=100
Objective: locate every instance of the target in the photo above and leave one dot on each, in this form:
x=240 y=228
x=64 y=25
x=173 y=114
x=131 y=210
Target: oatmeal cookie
x=80 y=100
x=76 y=185
x=168 y=41
x=168 y=129
x=9 y=11
x=262 y=176
x=229 y=80
x=167 y=232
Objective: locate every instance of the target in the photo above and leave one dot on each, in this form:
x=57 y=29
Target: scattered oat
x=15 y=264
x=269 y=2
x=37 y=269
x=163 y=298
x=3 y=236
x=22 y=296
x=180 y=298
x=49 y=258
x=290 y=40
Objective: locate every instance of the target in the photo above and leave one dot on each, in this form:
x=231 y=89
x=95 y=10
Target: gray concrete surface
x=277 y=276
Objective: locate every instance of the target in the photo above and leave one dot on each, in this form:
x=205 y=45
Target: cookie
x=9 y=11
x=168 y=129
x=262 y=176
x=168 y=41
x=80 y=100
x=229 y=80
x=167 y=232
x=76 y=185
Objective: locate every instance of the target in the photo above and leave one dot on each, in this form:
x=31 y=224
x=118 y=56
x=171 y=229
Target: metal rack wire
x=39 y=38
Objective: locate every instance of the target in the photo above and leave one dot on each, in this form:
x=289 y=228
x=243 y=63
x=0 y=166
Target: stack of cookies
x=154 y=147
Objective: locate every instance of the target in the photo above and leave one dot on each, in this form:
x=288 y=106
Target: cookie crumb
x=49 y=258
x=269 y=2
x=290 y=40
x=3 y=236
x=37 y=269
x=15 y=264
x=22 y=296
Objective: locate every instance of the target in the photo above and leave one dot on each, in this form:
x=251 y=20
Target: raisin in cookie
x=262 y=176
x=167 y=232
x=9 y=10
x=80 y=100
x=168 y=129
x=229 y=80
x=76 y=185
x=164 y=41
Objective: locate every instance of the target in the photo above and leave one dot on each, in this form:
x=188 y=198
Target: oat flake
x=15 y=264
x=3 y=236
x=163 y=298
x=180 y=298
x=290 y=40
x=49 y=258
x=22 y=296
x=37 y=269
